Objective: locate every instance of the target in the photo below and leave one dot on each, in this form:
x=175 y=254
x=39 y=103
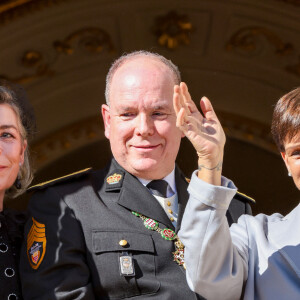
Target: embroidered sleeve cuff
x=218 y=197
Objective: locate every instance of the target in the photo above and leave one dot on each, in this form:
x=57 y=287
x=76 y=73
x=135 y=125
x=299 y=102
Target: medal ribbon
x=167 y=234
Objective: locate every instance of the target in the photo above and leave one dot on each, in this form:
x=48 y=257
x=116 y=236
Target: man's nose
x=145 y=125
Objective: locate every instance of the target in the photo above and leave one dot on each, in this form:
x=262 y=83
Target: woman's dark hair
x=286 y=119
x=25 y=175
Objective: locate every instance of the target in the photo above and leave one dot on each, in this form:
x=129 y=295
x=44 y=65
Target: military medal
x=167 y=234
x=150 y=224
x=179 y=256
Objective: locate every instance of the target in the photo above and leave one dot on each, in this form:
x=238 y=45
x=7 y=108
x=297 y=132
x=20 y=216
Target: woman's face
x=291 y=157
x=11 y=148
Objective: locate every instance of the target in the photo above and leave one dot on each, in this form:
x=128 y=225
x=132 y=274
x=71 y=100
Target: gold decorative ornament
x=247 y=40
x=91 y=39
x=31 y=58
x=12 y=9
x=172 y=30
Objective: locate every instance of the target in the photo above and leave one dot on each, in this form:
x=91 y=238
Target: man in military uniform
x=111 y=234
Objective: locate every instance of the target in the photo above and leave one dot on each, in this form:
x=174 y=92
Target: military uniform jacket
x=78 y=224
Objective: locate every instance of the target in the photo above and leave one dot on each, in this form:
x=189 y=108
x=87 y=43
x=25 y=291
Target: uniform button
x=123 y=243
x=9 y=272
x=12 y=297
x=170 y=211
x=169 y=203
x=3 y=247
x=172 y=219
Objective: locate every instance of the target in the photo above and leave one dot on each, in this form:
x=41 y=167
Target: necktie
x=158 y=187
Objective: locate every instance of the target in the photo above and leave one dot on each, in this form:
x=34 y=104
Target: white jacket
x=259 y=257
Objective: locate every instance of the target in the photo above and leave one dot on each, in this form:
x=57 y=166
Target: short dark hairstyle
x=286 y=118
x=7 y=96
x=136 y=54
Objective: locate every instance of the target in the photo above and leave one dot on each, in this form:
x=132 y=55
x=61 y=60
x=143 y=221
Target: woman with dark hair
x=15 y=176
x=259 y=257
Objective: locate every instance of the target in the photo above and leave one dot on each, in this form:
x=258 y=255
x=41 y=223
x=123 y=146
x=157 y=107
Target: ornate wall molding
x=88 y=131
x=14 y=9
x=293 y=2
x=249 y=41
x=172 y=30
x=91 y=40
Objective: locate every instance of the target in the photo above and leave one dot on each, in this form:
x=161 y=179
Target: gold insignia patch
x=115 y=178
x=188 y=180
x=36 y=244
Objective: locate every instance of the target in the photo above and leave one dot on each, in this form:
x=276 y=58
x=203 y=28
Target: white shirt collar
x=170 y=179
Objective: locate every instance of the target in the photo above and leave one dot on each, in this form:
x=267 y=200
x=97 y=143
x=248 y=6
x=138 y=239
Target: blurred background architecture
x=242 y=54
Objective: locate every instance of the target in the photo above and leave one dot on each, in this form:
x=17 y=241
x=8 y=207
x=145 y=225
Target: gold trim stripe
x=246 y=196
x=56 y=179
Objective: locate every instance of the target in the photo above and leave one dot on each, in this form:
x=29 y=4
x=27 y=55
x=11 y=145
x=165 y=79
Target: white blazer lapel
x=284 y=234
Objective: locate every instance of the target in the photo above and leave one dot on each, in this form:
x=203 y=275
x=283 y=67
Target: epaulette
x=51 y=182
x=243 y=197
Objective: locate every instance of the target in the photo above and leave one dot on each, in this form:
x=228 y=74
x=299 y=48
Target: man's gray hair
x=136 y=54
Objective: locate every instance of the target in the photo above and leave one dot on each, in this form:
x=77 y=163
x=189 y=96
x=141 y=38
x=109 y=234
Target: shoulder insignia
x=36 y=244
x=188 y=180
x=58 y=180
x=244 y=197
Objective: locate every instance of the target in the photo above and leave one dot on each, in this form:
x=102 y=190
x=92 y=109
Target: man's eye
x=159 y=115
x=127 y=115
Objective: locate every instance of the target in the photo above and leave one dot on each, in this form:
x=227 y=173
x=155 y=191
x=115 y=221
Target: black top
x=11 y=232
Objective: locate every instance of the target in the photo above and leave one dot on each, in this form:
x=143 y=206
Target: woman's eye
x=296 y=153
x=6 y=135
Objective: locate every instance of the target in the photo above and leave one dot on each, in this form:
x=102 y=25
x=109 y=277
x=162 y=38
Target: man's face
x=140 y=121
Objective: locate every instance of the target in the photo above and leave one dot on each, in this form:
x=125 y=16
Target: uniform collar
x=170 y=179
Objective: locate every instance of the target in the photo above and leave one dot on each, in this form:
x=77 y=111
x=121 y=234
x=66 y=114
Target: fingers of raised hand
x=181 y=119
x=207 y=109
x=186 y=97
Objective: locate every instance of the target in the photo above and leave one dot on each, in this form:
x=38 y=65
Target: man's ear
x=106 y=119
x=284 y=157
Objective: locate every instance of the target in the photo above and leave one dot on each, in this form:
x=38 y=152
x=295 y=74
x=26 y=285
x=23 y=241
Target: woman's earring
x=18 y=184
x=290 y=174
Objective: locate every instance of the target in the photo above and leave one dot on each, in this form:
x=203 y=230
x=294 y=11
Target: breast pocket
x=107 y=248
